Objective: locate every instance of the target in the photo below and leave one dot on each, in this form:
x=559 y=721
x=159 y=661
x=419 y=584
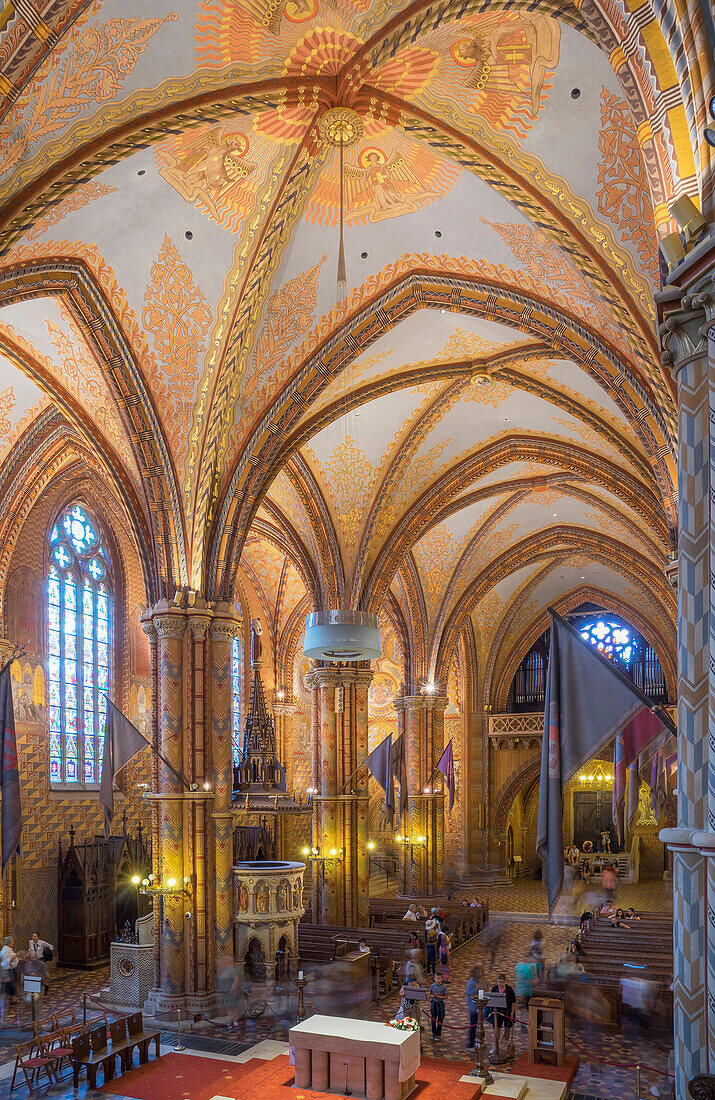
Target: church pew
x=393 y=909
x=460 y=930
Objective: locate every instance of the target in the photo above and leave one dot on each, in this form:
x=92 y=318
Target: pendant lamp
x=342 y=636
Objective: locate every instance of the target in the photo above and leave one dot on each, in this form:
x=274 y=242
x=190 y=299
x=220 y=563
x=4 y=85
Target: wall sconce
x=407 y=842
x=314 y=855
x=155 y=888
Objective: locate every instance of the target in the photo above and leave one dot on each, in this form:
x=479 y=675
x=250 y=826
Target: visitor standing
x=609 y=880
x=39 y=953
x=444 y=946
x=537 y=951
x=473 y=1005
x=503 y=1017
x=438 y=992
x=410 y=1005
x=525 y=978
x=9 y=963
x=431 y=935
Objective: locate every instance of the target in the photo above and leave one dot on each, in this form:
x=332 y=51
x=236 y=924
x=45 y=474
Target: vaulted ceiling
x=480 y=423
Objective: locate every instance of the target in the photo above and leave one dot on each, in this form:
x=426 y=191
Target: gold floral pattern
x=178 y=318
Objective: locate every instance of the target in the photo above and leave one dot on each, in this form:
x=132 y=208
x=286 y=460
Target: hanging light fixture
x=339 y=128
x=342 y=636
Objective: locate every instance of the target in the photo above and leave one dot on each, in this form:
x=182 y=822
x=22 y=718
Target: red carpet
x=189 y=1077
x=524 y=1068
x=182 y=1077
x=436 y=1079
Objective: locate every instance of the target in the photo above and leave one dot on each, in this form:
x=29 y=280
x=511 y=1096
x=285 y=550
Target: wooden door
x=591 y=813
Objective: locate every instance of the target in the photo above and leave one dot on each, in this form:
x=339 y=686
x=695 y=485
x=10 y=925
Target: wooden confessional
x=96 y=896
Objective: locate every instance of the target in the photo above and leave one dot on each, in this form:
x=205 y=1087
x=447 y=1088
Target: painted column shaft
x=686 y=320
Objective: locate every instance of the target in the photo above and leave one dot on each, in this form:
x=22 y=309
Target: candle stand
x=301 y=983
x=481 y=1070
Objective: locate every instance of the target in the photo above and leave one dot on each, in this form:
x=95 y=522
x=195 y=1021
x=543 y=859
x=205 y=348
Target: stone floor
x=608 y=1057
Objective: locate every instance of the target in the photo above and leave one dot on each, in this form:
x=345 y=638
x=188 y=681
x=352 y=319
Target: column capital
x=324 y=677
x=170 y=626
x=421 y=702
x=225 y=625
x=686 y=309
x=199 y=624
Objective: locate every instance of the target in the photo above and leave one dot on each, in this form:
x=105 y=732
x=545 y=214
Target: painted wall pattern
x=623 y=194
x=89 y=67
x=177 y=317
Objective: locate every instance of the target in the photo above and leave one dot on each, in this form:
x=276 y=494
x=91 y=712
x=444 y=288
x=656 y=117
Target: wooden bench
x=91 y=1050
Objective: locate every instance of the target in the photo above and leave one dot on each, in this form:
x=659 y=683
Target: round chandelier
x=342 y=636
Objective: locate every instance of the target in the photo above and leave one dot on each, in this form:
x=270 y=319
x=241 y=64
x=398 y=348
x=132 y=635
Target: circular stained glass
x=79 y=530
x=612 y=639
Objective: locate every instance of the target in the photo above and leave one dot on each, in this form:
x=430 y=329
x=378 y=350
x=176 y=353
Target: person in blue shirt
x=438 y=992
x=473 y=1005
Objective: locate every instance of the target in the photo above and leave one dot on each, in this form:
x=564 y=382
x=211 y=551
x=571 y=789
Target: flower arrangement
x=407 y=1024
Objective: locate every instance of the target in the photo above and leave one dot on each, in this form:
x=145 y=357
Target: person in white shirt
x=36 y=958
x=8 y=971
x=411 y=913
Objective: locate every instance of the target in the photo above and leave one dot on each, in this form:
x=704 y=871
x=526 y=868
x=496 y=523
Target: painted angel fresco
x=270 y=13
x=508 y=57
x=210 y=167
x=383 y=186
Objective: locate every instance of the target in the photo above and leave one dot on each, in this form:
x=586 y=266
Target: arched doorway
x=254 y=961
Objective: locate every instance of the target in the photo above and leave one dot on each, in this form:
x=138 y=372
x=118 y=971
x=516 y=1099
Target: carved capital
x=410 y=702
x=325 y=677
x=199 y=624
x=225 y=630
x=170 y=626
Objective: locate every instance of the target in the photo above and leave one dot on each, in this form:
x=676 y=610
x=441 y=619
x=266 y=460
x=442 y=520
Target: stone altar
x=364 y=1058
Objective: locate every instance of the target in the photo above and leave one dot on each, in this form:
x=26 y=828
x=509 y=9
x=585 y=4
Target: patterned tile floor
x=594 y=1045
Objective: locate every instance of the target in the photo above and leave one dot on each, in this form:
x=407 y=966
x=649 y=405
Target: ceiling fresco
x=480 y=406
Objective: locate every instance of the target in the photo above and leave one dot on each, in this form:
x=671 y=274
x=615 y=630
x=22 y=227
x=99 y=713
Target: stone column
x=686 y=314
x=339 y=739
x=422 y=864
x=6 y=909
x=224 y=628
x=183 y=834
x=362 y=883
x=171 y=629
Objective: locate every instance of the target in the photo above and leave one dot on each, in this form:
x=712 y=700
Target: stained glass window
x=236 y=698
x=611 y=638
x=79 y=613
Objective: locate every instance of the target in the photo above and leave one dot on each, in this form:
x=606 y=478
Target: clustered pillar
x=191 y=795
x=421 y=717
x=686 y=312
x=339 y=745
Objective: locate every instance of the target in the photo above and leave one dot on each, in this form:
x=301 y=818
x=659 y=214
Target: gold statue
x=645 y=806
